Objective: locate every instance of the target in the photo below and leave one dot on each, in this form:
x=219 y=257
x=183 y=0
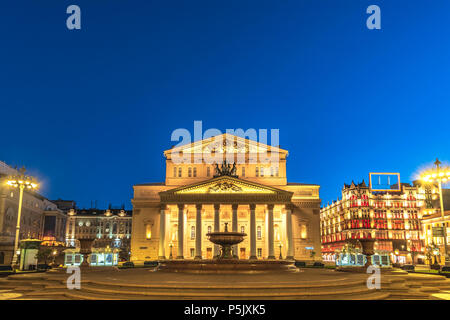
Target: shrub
x=6 y=268
x=43 y=266
x=128 y=264
x=150 y=263
x=408 y=267
x=300 y=264
x=318 y=265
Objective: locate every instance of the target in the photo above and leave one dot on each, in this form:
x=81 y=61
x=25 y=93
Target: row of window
x=259 y=172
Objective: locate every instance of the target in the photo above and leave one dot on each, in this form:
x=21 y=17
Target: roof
x=152 y=184
x=225 y=189
x=301 y=184
x=226 y=137
x=101 y=212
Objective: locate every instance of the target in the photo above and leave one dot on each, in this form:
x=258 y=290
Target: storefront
x=99 y=257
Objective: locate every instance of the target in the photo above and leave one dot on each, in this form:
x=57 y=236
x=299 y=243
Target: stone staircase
x=401 y=286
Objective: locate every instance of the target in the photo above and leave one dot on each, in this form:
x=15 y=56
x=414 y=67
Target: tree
x=44 y=254
x=312 y=254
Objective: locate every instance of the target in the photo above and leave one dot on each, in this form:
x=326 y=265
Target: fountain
x=225 y=262
x=226 y=240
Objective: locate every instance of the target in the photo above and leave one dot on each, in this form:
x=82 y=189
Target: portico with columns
x=171 y=221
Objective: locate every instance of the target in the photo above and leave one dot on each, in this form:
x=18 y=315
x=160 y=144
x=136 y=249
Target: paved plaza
x=144 y=283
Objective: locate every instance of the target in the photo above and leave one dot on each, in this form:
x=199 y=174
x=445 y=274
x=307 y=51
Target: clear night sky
x=90 y=112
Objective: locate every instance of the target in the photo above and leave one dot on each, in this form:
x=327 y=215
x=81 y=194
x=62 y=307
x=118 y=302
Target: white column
x=290 y=240
x=234 y=227
x=216 y=226
x=253 y=232
x=270 y=232
x=162 y=233
x=180 y=254
x=198 y=232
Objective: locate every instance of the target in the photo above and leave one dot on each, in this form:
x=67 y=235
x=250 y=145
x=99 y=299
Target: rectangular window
x=179 y=172
x=243 y=171
x=259 y=252
x=192 y=253
x=189 y=172
x=261 y=171
x=258 y=233
x=277 y=171
x=192 y=233
x=256 y=172
x=195 y=172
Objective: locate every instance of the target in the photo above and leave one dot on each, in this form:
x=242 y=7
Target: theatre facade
x=249 y=194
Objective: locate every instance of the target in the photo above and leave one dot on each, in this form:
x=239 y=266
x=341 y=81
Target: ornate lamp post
x=280 y=245
x=170 y=246
x=22 y=182
x=439 y=175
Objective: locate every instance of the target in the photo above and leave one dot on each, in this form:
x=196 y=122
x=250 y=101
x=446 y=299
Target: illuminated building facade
x=392 y=218
x=171 y=219
x=432 y=223
x=39 y=216
x=111 y=230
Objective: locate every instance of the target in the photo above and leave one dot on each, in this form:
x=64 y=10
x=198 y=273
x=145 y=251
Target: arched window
x=261 y=171
x=189 y=172
x=209 y=229
x=174 y=172
x=195 y=172
x=257 y=172
x=242 y=229
x=179 y=172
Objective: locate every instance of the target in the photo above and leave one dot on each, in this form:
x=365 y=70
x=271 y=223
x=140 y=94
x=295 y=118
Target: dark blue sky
x=90 y=112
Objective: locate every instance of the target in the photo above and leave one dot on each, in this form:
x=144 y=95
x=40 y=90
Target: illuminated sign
x=384 y=181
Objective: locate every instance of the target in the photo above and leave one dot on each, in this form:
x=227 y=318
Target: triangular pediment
x=225 y=187
x=226 y=143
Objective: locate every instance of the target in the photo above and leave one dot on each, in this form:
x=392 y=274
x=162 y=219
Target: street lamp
x=439 y=175
x=22 y=182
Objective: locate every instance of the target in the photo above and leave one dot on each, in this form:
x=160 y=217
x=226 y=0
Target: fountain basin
x=227 y=266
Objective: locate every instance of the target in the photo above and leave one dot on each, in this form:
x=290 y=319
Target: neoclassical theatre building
x=171 y=219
